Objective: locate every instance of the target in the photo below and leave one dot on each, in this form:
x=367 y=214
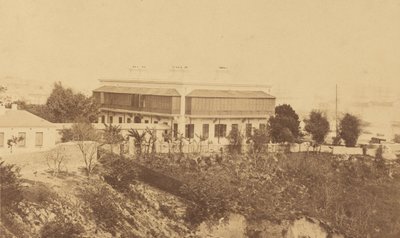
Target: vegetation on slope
x=353 y=196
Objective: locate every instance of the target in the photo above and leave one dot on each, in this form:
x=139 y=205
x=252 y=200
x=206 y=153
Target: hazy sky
x=301 y=48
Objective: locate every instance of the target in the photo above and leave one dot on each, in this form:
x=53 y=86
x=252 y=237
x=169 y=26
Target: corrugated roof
x=228 y=94
x=142 y=91
x=21 y=118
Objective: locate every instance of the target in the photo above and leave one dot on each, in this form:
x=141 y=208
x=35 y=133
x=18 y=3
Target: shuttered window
x=189 y=131
x=206 y=130
x=220 y=130
x=39 y=139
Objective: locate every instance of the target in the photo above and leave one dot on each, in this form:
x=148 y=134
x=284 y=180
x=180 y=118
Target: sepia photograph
x=199 y=119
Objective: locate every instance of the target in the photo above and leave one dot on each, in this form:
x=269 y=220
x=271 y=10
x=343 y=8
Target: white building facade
x=23 y=132
x=194 y=109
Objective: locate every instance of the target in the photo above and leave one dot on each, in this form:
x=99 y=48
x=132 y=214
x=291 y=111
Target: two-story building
x=195 y=109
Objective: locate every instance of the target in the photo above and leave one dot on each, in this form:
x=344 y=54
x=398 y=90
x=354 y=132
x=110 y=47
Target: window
x=1 y=139
x=39 y=139
x=248 y=129
x=235 y=126
x=21 y=139
x=155 y=122
x=220 y=130
x=189 y=131
x=128 y=120
x=263 y=126
x=120 y=119
x=111 y=119
x=206 y=130
x=146 y=121
x=103 y=119
x=137 y=119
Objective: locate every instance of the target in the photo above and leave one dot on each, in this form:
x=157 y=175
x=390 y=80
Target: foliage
x=396 y=138
x=350 y=129
x=167 y=137
x=61 y=228
x=139 y=140
x=235 y=139
x=151 y=142
x=258 y=141
x=86 y=137
x=356 y=197
x=103 y=205
x=211 y=197
x=55 y=159
x=112 y=135
x=64 y=106
x=317 y=125
x=13 y=141
x=67 y=106
x=284 y=126
x=66 y=135
x=379 y=160
x=40 y=110
x=10 y=186
x=119 y=173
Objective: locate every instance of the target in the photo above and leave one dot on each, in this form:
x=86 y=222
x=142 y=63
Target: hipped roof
x=229 y=94
x=21 y=118
x=142 y=91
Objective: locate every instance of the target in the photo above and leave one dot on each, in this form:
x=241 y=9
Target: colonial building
x=194 y=109
x=22 y=132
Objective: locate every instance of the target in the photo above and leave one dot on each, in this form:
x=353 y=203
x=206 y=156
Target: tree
x=350 y=129
x=284 y=126
x=112 y=135
x=86 y=138
x=10 y=186
x=139 y=139
x=317 y=125
x=235 y=139
x=66 y=106
x=258 y=143
x=55 y=159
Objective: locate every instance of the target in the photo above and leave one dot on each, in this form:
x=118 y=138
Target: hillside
x=51 y=203
x=292 y=195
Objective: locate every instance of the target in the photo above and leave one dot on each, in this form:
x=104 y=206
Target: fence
x=164 y=148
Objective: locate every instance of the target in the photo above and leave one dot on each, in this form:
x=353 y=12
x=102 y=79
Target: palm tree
x=139 y=139
x=112 y=135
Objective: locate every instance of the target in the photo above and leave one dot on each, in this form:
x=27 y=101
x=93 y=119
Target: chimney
x=14 y=106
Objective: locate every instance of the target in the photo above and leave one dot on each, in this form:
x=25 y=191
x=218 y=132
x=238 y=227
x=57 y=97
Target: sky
x=301 y=48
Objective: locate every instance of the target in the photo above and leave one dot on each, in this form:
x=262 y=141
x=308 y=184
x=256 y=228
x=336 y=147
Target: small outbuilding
x=24 y=132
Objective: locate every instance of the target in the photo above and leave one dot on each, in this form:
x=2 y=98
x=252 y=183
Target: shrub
x=379 y=161
x=66 y=135
x=211 y=195
x=10 y=186
x=350 y=129
x=120 y=173
x=60 y=228
x=258 y=141
x=235 y=139
x=103 y=204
